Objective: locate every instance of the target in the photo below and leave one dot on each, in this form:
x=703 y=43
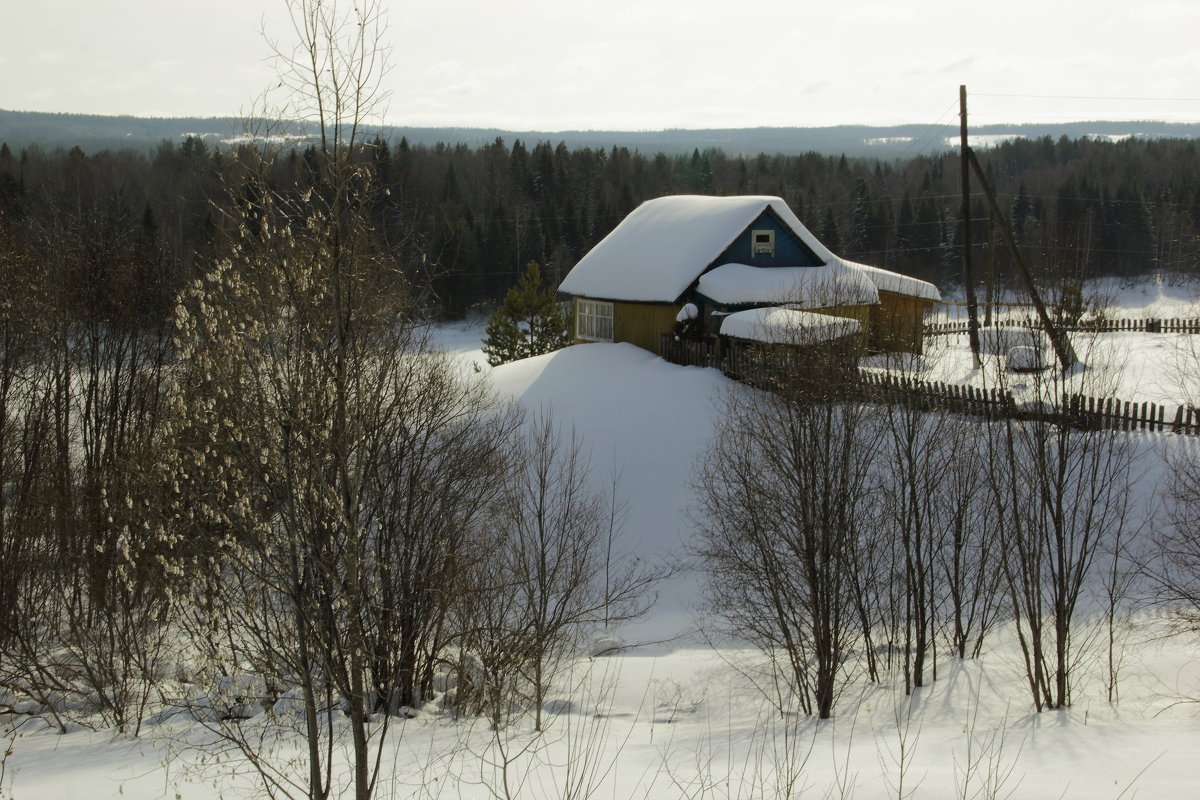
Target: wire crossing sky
x=551 y=65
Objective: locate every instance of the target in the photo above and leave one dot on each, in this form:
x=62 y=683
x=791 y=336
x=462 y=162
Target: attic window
x=594 y=321
x=763 y=242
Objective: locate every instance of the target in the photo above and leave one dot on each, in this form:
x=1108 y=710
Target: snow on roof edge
x=677 y=236
x=816 y=287
x=887 y=281
x=666 y=243
x=776 y=325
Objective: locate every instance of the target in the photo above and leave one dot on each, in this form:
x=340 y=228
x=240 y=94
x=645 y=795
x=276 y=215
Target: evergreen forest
x=121 y=231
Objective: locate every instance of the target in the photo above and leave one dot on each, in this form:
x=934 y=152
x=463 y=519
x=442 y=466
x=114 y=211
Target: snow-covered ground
x=1161 y=298
x=1135 y=367
x=690 y=723
x=681 y=719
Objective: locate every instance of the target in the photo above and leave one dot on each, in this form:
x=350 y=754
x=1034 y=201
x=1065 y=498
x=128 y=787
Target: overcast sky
x=552 y=65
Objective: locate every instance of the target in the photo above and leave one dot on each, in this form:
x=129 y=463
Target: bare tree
x=329 y=466
x=335 y=468
x=784 y=496
x=82 y=628
x=916 y=448
x=969 y=562
x=1062 y=498
x=441 y=462
x=553 y=575
x=944 y=583
x=21 y=425
x=1175 y=572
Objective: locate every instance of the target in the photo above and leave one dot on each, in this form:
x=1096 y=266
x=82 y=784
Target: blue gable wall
x=789 y=250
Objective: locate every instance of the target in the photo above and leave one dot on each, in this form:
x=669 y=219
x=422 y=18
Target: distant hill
x=95 y=133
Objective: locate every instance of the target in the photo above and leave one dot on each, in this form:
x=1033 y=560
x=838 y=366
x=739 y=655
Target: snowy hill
x=644 y=419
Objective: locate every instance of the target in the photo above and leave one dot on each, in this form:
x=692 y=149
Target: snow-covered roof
x=894 y=282
x=787 y=326
x=835 y=284
x=657 y=251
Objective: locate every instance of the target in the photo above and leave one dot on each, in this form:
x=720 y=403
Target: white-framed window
x=594 y=320
x=763 y=242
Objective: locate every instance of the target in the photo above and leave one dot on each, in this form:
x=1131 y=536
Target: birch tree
x=329 y=466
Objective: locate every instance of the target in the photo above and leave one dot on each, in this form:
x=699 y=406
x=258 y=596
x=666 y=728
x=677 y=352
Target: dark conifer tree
x=528 y=323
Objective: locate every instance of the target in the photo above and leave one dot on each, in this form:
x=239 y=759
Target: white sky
x=554 y=65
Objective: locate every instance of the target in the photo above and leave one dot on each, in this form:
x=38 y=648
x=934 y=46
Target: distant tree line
x=129 y=229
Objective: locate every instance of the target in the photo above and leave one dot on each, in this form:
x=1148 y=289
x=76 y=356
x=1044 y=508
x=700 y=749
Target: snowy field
x=677 y=717
x=1160 y=298
x=1136 y=367
x=691 y=724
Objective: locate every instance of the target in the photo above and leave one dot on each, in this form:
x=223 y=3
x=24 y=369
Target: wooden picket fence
x=1079 y=411
x=753 y=365
x=1147 y=325
x=690 y=353
x=934 y=395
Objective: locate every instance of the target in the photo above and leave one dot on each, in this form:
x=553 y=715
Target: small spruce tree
x=528 y=323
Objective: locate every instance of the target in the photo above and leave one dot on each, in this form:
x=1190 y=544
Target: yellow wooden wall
x=897 y=322
x=642 y=323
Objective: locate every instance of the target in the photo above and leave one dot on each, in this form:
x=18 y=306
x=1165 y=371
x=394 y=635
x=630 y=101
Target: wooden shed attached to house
x=731 y=254
x=776 y=346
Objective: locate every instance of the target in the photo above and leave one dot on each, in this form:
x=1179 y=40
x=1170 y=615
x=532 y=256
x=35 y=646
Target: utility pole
x=1058 y=337
x=968 y=272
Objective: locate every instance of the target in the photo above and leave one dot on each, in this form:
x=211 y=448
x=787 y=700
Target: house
x=727 y=255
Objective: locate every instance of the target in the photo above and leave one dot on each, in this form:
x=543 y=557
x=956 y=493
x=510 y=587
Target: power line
x=1089 y=97
x=934 y=131
x=1007 y=120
